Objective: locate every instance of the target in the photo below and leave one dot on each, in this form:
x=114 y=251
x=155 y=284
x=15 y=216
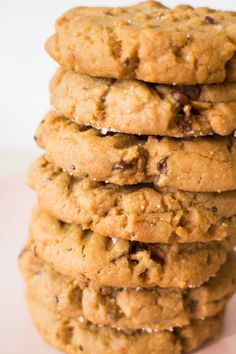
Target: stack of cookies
x=130 y=247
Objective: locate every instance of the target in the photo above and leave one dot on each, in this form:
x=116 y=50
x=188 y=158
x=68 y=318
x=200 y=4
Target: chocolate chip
x=210 y=20
x=184 y=124
x=144 y=275
x=127 y=61
x=69 y=249
x=214 y=209
x=44 y=163
x=72 y=167
x=35 y=251
x=35 y=138
x=103 y=99
x=55 y=300
x=138 y=247
x=121 y=166
x=134 y=262
x=162 y=166
x=192 y=92
x=108 y=13
x=85 y=174
x=180 y=97
x=81 y=348
x=162 y=169
x=157 y=258
x=110 y=315
x=42 y=121
x=193 y=304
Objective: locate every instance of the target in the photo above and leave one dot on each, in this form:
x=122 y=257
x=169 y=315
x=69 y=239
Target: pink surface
x=18 y=335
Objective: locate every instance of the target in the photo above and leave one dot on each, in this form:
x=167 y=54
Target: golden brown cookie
x=200 y=165
x=136 y=213
x=147 y=41
x=115 y=262
x=154 y=308
x=73 y=337
x=134 y=107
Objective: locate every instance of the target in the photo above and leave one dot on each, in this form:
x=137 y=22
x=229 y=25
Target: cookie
x=199 y=165
x=109 y=261
x=155 y=308
x=137 y=213
x=134 y=107
x=148 y=41
x=72 y=337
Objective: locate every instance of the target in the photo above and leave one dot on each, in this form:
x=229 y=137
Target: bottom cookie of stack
x=72 y=337
x=76 y=316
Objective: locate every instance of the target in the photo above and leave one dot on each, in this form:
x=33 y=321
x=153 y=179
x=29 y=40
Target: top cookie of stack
x=149 y=42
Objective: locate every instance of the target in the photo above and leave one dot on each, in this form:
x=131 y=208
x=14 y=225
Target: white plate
x=17 y=332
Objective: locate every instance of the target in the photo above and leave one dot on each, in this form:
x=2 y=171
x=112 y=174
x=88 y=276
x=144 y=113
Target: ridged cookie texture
x=149 y=42
x=137 y=213
x=124 y=308
x=131 y=245
x=199 y=165
x=73 y=337
x=121 y=263
x=135 y=107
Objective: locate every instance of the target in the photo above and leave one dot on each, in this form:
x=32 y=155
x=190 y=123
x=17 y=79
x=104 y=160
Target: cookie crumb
x=81 y=319
x=162 y=166
x=114 y=240
x=121 y=166
x=211 y=20
x=180 y=97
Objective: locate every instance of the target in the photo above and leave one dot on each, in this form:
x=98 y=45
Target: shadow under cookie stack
x=130 y=247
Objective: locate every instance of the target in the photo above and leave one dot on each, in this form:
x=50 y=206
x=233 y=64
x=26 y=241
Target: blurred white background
x=25 y=69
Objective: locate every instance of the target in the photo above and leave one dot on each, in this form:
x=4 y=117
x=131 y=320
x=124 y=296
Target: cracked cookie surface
x=206 y=164
x=73 y=337
x=115 y=262
x=149 y=42
x=155 y=308
x=135 y=107
x=137 y=213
